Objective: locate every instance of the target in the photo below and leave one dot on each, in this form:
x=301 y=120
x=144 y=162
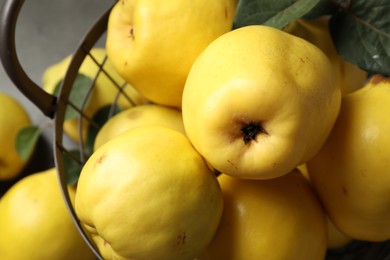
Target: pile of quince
x=230 y=143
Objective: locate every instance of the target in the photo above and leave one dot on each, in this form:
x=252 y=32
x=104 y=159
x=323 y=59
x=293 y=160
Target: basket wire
x=62 y=148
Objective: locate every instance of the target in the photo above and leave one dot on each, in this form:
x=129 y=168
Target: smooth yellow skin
x=153 y=44
x=350 y=172
x=262 y=75
x=105 y=91
x=349 y=76
x=13 y=117
x=274 y=219
x=35 y=223
x=147 y=194
x=152 y=114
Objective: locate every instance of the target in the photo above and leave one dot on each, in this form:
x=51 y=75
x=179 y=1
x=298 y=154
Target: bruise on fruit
x=376 y=79
x=100 y=160
x=180 y=241
x=251 y=130
x=133 y=114
x=344 y=191
x=132 y=32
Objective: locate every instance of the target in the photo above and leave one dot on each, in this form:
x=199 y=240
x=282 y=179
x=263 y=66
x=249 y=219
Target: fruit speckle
x=100 y=159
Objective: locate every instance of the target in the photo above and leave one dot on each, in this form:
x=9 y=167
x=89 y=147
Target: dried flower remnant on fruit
x=251 y=130
x=181 y=240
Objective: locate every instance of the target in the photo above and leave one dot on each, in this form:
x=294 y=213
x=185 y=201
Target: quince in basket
x=259 y=102
x=153 y=44
x=275 y=219
x=147 y=194
x=351 y=171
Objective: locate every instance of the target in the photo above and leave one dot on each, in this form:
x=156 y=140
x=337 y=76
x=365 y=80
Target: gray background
x=46 y=32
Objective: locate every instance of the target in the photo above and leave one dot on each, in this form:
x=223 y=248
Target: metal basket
x=55 y=107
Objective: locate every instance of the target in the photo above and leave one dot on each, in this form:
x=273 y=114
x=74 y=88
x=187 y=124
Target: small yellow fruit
x=274 y=219
x=147 y=194
x=13 y=117
x=105 y=89
x=351 y=171
x=153 y=44
x=258 y=102
x=152 y=114
x=35 y=223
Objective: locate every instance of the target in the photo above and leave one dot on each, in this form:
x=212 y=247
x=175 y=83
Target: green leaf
x=323 y=7
x=361 y=33
x=26 y=141
x=269 y=12
x=291 y=13
x=100 y=118
x=72 y=166
x=79 y=91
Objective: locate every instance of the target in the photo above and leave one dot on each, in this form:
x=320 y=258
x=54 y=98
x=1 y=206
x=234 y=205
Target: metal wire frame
x=60 y=148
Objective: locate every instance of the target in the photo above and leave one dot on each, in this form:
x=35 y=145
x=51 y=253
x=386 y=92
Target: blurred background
x=46 y=32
